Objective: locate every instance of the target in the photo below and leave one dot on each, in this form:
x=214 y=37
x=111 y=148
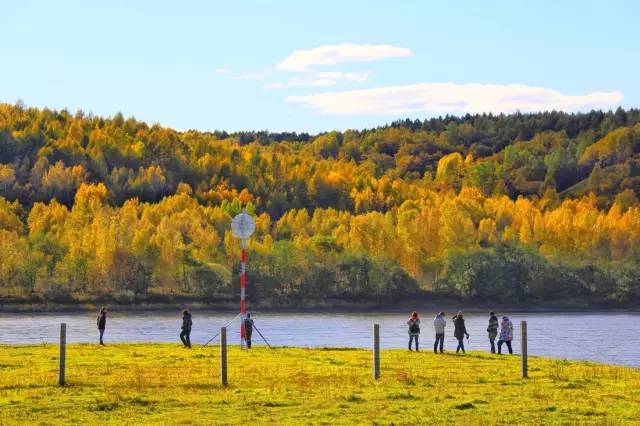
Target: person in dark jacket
x=414 y=329
x=185 y=335
x=492 y=329
x=248 y=330
x=460 y=331
x=102 y=322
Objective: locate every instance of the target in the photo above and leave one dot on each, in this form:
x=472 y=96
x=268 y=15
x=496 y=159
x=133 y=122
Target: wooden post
x=63 y=352
x=223 y=356
x=523 y=328
x=376 y=351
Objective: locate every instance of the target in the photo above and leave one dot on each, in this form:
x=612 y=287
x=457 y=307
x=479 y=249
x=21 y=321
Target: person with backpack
x=460 y=331
x=506 y=334
x=101 y=322
x=492 y=329
x=187 y=323
x=248 y=330
x=439 y=324
x=414 y=329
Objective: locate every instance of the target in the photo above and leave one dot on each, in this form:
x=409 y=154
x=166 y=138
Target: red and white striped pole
x=242 y=226
x=243 y=286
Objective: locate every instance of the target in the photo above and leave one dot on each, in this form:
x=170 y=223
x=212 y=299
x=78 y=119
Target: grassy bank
x=428 y=303
x=162 y=383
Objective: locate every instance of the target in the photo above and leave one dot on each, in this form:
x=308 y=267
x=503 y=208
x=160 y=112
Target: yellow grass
x=166 y=384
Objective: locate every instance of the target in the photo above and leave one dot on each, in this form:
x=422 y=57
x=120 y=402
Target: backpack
x=414 y=327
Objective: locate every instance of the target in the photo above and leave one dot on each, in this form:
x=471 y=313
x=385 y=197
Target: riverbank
x=166 y=384
x=427 y=303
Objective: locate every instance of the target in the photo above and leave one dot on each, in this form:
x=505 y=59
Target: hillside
x=533 y=208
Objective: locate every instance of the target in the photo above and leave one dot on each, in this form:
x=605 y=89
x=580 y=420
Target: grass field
x=166 y=384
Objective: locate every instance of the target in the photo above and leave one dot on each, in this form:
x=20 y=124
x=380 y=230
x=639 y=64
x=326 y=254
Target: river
x=609 y=337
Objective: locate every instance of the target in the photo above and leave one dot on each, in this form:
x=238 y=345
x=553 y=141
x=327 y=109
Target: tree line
x=523 y=207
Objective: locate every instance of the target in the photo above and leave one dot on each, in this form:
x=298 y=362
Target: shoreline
x=312 y=307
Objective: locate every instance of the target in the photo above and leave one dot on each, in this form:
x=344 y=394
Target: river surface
x=609 y=337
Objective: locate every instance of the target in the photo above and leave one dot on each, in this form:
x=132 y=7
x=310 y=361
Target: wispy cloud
x=248 y=76
x=302 y=60
x=324 y=79
x=223 y=71
x=454 y=98
x=275 y=85
x=356 y=77
x=315 y=82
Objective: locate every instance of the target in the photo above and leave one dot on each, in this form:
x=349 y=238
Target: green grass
x=165 y=384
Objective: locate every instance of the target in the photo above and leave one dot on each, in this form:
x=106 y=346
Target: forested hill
x=534 y=208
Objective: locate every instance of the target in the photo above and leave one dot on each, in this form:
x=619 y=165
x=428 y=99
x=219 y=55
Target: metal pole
x=223 y=356
x=376 y=351
x=218 y=333
x=63 y=352
x=525 y=369
x=243 y=286
x=265 y=340
x=242 y=226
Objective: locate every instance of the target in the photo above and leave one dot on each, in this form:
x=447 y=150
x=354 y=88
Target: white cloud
x=356 y=77
x=301 y=60
x=442 y=98
x=275 y=85
x=316 y=82
x=248 y=76
x=223 y=70
x=320 y=79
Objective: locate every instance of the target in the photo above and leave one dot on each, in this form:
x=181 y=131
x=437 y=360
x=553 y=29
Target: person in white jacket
x=439 y=324
x=506 y=335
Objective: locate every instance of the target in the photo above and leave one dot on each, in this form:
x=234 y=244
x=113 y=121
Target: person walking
x=493 y=331
x=101 y=321
x=414 y=329
x=506 y=334
x=460 y=331
x=185 y=335
x=439 y=324
x=248 y=330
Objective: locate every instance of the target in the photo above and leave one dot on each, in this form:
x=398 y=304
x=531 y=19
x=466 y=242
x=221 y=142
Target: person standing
x=185 y=335
x=506 y=334
x=493 y=331
x=102 y=322
x=414 y=329
x=439 y=324
x=460 y=331
x=248 y=330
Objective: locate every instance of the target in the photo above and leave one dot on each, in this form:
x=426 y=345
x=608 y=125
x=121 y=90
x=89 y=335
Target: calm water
x=602 y=336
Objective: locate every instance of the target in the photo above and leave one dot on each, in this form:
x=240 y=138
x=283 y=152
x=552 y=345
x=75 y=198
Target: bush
x=57 y=292
x=125 y=297
x=503 y=273
x=210 y=279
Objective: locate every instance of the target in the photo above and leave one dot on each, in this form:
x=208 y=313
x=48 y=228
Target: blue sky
x=231 y=65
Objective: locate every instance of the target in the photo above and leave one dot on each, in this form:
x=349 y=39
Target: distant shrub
x=210 y=279
x=57 y=292
x=125 y=297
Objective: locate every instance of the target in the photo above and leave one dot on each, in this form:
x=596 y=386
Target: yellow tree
x=450 y=170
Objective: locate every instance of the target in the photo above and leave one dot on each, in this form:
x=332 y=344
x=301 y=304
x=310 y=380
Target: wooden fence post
x=223 y=356
x=525 y=370
x=63 y=352
x=376 y=351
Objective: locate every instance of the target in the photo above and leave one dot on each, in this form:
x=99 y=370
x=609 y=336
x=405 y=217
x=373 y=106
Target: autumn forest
x=528 y=208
